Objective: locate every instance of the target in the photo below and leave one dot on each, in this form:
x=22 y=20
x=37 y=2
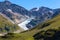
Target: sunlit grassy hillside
x=6 y=25
x=28 y=35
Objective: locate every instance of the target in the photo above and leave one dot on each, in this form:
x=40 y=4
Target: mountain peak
x=7 y=2
x=35 y=9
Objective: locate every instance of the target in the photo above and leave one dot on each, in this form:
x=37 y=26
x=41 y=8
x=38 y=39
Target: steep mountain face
x=41 y=14
x=50 y=30
x=14 y=12
x=24 y=18
x=15 y=8
x=6 y=26
x=56 y=11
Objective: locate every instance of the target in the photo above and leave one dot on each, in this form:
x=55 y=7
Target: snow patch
x=23 y=24
x=35 y=9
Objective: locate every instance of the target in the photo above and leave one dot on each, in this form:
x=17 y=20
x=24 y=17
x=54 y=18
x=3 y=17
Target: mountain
x=13 y=11
x=41 y=14
x=6 y=26
x=18 y=23
x=26 y=19
x=50 y=31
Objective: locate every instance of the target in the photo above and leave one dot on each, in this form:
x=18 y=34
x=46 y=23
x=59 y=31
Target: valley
x=18 y=23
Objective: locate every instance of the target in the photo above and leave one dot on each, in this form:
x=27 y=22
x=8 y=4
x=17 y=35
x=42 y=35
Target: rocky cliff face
x=13 y=11
x=19 y=14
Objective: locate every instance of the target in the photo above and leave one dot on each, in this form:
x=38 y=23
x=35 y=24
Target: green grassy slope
x=53 y=24
x=6 y=25
x=28 y=35
x=50 y=31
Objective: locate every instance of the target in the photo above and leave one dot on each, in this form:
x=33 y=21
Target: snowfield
x=23 y=24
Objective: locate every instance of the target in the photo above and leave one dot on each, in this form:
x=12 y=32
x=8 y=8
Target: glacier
x=23 y=24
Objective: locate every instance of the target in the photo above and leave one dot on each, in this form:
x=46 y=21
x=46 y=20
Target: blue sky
x=28 y=4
